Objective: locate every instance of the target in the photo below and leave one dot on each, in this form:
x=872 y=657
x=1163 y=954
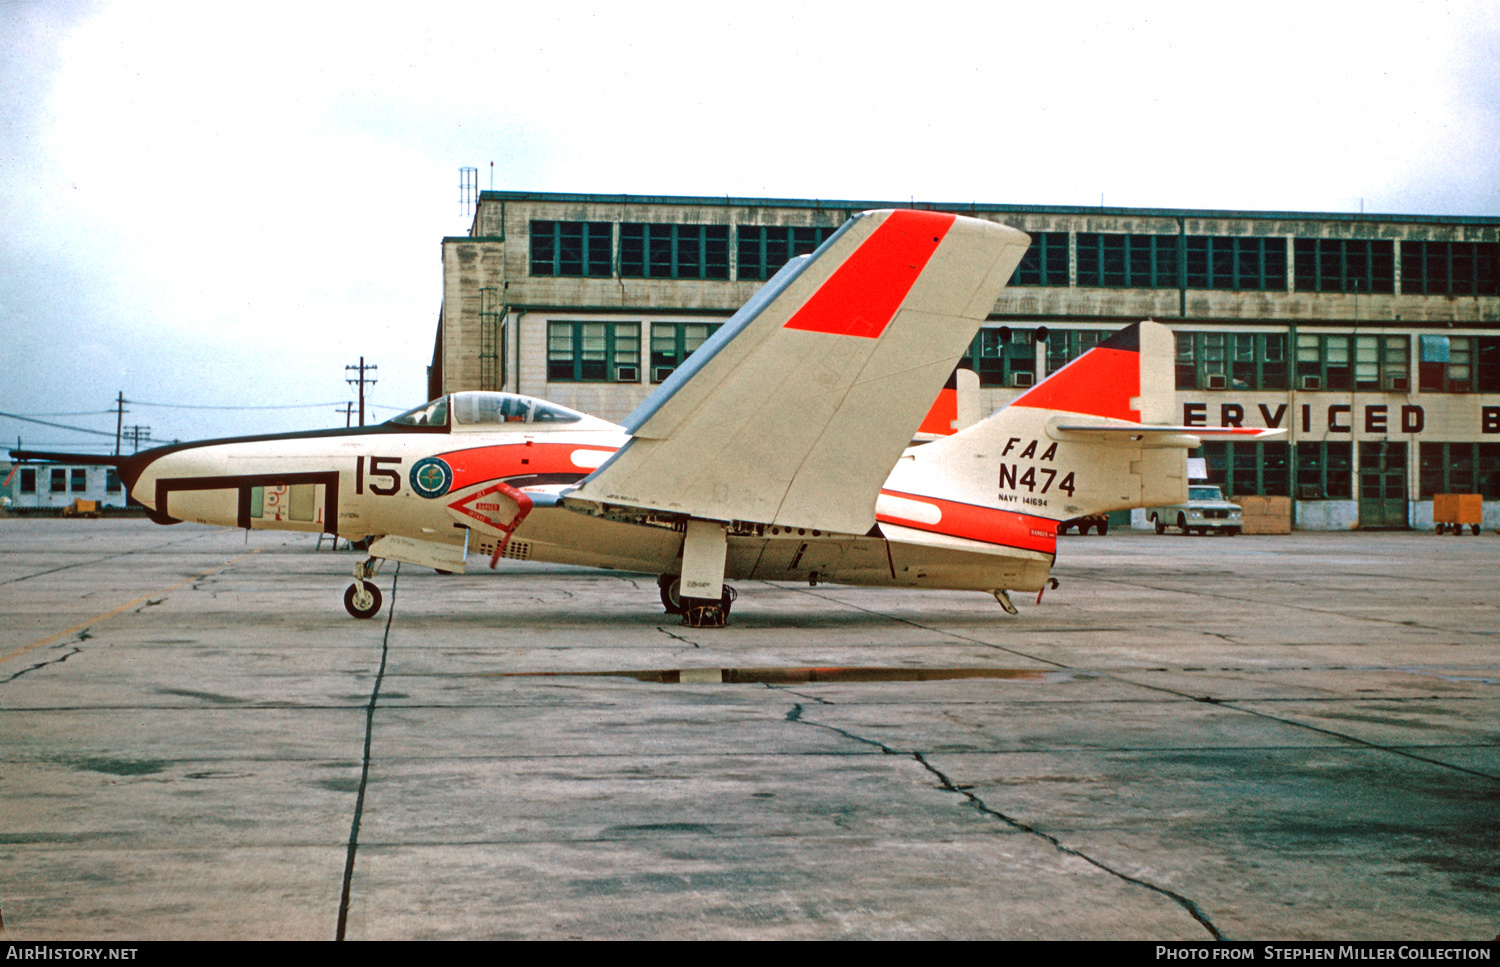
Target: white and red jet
x=779 y=451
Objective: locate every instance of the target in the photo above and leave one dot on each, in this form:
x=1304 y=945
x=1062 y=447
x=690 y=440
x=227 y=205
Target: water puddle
x=802 y=676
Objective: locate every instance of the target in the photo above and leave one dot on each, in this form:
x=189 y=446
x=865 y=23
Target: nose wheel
x=362 y=599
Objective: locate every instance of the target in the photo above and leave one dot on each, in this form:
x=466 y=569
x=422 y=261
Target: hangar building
x=1375 y=339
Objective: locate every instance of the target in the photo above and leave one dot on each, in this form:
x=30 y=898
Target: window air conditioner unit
x=1021 y=379
x=660 y=373
x=1312 y=382
x=627 y=374
x=1217 y=381
x=1399 y=384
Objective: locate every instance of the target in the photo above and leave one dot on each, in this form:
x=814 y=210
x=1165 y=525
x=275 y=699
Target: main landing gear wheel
x=670 y=586
x=362 y=599
x=706 y=612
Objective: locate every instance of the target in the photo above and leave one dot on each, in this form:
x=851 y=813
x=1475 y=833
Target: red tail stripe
x=863 y=294
x=1100 y=383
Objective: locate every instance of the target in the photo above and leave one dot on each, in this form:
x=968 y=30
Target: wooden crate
x=1266 y=515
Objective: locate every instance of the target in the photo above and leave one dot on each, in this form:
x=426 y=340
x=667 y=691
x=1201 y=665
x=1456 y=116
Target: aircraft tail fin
x=1090 y=438
x=793 y=412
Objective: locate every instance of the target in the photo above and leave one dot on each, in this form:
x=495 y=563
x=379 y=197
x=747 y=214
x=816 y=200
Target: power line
x=193 y=406
x=60 y=426
x=80 y=413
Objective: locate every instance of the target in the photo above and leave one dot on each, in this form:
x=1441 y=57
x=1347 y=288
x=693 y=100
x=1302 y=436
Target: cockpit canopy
x=479 y=410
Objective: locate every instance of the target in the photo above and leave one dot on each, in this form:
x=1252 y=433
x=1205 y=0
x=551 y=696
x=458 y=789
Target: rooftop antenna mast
x=468 y=191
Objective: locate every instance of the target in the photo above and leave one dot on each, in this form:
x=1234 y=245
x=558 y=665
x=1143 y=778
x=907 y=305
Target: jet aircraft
x=780 y=450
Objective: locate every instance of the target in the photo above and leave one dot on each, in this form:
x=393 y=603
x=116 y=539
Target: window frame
x=1228 y=462
x=1344 y=265
x=1334 y=461
x=1450 y=268
x=679 y=350
x=758 y=252
x=662 y=250
x=620 y=348
x=1066 y=345
x=1438 y=376
x=1113 y=260
x=997 y=353
x=1045 y=262
x=548 y=249
x=1220 y=354
x=1234 y=263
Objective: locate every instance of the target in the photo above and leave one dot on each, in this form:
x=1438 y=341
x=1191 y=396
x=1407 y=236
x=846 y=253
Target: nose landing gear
x=362 y=598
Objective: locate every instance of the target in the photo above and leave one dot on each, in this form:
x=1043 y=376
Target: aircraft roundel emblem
x=431 y=477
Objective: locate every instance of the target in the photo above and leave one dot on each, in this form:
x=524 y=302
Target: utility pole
x=361 y=381
x=119 y=420
x=136 y=433
x=348 y=414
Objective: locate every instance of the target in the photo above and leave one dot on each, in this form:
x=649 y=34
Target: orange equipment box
x=1456 y=511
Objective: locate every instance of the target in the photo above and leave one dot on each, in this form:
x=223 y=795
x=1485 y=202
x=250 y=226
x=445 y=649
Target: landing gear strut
x=362 y=598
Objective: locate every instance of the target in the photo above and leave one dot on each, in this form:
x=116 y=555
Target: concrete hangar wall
x=1375 y=339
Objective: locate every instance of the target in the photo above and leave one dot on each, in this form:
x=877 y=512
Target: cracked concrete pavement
x=1256 y=738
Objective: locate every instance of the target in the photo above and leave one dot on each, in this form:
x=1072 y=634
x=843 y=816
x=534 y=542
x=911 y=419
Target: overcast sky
x=214 y=205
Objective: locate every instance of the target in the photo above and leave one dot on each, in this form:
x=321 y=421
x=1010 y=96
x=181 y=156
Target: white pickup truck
x=1206 y=510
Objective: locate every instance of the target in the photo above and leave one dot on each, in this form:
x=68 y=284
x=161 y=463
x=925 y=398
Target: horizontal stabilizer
x=794 y=412
x=1148 y=432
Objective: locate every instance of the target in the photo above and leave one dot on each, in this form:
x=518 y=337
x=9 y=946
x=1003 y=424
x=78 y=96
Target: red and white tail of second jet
x=1091 y=438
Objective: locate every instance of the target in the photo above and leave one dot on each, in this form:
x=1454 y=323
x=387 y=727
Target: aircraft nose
x=141 y=472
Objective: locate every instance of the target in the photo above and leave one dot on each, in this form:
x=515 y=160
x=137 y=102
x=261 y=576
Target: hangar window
x=1325 y=470
x=1003 y=356
x=1446 y=363
x=1231 y=360
x=570 y=248
x=674 y=251
x=763 y=249
x=1127 y=261
x=1370 y=363
x=1244 y=469
x=673 y=342
x=59 y=480
x=1045 y=262
x=80 y=480
x=1066 y=345
x=111 y=481
x=1450 y=268
x=1461 y=468
x=28 y=480
x=1487 y=364
x=1235 y=263
x=1343 y=265
x=594 y=352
